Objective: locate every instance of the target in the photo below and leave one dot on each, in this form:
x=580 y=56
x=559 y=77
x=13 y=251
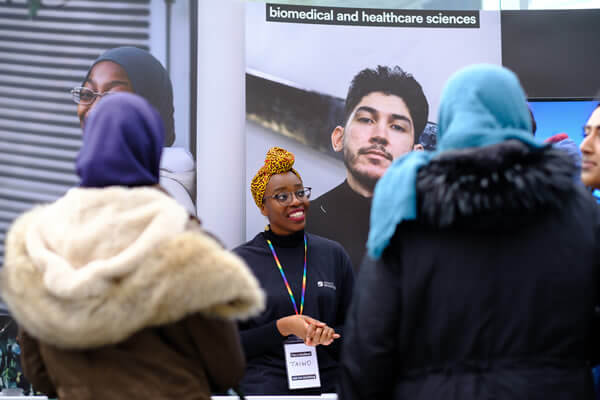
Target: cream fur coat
x=98 y=265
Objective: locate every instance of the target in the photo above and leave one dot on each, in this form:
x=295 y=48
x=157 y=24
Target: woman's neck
x=281 y=240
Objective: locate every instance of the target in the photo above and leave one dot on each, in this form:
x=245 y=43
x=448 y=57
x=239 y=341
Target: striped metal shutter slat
x=40 y=61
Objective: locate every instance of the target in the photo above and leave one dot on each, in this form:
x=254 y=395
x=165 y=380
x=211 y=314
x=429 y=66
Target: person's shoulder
x=178 y=176
x=178 y=189
x=251 y=246
x=320 y=205
x=177 y=160
x=331 y=192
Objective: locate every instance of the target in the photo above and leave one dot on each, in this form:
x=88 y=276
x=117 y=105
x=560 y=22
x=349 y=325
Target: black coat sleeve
x=261 y=339
x=369 y=352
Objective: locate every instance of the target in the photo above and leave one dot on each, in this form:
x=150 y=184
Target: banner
x=301 y=61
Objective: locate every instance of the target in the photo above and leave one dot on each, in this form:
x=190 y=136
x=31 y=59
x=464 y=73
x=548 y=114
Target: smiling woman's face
x=285 y=219
x=106 y=76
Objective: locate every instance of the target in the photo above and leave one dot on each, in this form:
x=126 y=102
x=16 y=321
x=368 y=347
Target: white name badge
x=301 y=364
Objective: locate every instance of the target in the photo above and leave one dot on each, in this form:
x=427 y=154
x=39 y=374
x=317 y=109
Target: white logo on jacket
x=326 y=284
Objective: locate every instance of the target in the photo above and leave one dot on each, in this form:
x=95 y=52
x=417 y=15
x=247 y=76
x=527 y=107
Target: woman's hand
x=297 y=325
x=312 y=331
x=320 y=335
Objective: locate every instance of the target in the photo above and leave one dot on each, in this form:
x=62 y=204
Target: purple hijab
x=122 y=143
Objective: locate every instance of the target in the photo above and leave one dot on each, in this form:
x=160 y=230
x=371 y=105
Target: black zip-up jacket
x=329 y=281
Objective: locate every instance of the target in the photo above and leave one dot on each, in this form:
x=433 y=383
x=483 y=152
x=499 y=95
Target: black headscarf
x=149 y=79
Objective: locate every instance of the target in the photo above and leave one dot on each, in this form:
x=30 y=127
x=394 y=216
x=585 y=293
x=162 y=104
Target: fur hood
x=99 y=265
x=498 y=186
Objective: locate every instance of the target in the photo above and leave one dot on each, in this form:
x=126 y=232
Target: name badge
x=301 y=364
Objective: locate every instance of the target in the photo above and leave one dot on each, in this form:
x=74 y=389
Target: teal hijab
x=481 y=105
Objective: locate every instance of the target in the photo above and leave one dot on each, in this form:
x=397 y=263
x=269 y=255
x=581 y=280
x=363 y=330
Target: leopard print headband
x=277 y=161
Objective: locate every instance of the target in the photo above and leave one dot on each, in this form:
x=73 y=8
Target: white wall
x=221 y=140
x=180 y=70
x=180 y=59
x=157 y=30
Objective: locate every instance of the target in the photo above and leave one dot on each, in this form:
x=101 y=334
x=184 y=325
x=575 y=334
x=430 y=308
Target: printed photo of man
x=385 y=113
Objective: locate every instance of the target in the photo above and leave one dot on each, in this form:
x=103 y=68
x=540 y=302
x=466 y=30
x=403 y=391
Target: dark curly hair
x=390 y=81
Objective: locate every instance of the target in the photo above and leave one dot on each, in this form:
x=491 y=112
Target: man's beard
x=365 y=180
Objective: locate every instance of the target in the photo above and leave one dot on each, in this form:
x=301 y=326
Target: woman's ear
x=263 y=210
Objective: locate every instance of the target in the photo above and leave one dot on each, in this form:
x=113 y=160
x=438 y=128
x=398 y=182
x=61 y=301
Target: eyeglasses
x=83 y=95
x=286 y=198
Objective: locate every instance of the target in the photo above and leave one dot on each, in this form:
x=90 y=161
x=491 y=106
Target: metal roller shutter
x=40 y=60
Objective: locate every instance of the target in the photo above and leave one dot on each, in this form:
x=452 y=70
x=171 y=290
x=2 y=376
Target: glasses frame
x=78 y=89
x=291 y=194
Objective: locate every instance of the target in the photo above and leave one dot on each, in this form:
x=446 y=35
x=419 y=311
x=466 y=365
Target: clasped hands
x=312 y=331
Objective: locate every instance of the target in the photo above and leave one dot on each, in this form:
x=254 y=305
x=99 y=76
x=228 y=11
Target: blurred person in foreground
x=118 y=292
x=484 y=279
x=129 y=69
x=590 y=176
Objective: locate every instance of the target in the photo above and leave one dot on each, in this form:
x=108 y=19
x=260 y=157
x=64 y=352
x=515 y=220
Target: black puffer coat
x=491 y=294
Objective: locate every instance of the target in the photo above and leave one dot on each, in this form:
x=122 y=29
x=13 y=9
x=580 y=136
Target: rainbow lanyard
x=287 y=285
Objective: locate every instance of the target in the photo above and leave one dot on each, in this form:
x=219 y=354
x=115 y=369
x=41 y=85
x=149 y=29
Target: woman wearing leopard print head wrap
x=308 y=280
